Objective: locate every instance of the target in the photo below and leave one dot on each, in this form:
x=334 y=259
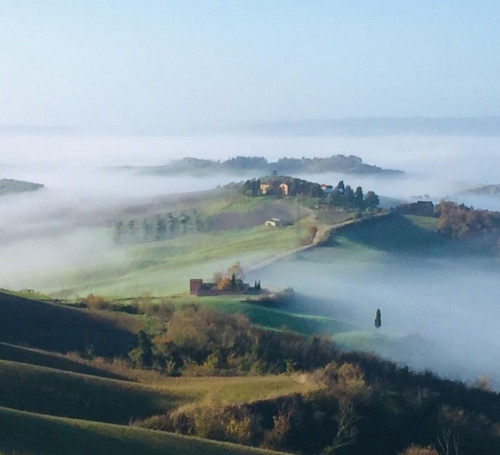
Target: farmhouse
x=264 y=187
x=274 y=222
x=267 y=187
x=199 y=288
x=284 y=188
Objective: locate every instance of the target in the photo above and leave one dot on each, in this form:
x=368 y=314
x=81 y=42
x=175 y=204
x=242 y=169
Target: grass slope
x=278 y=318
x=50 y=360
x=34 y=434
x=165 y=267
x=49 y=391
x=408 y=234
x=242 y=389
x=304 y=319
x=58 y=328
x=62 y=393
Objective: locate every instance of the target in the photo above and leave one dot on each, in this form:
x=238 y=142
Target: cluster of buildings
x=265 y=187
x=199 y=288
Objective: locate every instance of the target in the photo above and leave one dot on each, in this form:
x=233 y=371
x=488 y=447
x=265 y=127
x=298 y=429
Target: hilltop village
x=281 y=186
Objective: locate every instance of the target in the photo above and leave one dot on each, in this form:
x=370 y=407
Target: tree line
x=158 y=227
x=459 y=221
x=344 y=196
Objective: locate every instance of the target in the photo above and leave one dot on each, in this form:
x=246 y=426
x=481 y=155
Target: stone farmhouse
x=199 y=288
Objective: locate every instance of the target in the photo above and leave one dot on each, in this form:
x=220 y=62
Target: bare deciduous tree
x=347 y=430
x=448 y=442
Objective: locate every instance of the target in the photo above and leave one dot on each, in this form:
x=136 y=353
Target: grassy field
x=48 y=359
x=396 y=233
x=25 y=433
x=242 y=389
x=165 y=267
x=61 y=392
x=280 y=319
x=55 y=392
x=304 y=320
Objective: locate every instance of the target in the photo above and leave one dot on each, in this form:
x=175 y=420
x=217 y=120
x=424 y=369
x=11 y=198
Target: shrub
x=418 y=450
x=96 y=302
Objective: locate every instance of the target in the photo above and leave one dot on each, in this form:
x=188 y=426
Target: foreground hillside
x=34 y=434
x=36 y=383
x=238 y=383
x=259 y=372
x=58 y=328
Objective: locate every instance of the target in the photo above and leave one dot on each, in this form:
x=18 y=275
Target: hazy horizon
x=220 y=64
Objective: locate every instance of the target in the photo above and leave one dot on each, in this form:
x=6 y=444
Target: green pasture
x=241 y=389
x=165 y=267
x=395 y=233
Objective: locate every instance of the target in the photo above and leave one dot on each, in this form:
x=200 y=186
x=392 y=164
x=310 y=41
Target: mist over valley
x=57 y=240
x=249 y=228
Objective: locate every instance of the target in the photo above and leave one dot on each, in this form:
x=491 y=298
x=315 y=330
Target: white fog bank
x=452 y=305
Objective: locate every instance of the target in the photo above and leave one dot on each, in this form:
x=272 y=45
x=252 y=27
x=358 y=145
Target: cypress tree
x=378 y=319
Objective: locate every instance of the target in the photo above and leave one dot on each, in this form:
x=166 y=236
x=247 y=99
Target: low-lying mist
x=448 y=308
x=68 y=225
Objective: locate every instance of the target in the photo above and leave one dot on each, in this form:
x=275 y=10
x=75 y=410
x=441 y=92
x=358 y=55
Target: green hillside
x=55 y=392
x=397 y=233
x=306 y=322
x=51 y=360
x=164 y=267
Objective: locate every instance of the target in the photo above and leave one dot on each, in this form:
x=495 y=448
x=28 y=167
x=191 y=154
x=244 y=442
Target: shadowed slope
x=51 y=360
x=36 y=434
x=49 y=391
x=62 y=329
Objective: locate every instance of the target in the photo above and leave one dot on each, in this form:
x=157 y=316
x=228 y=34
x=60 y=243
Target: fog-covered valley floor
x=439 y=313
x=450 y=304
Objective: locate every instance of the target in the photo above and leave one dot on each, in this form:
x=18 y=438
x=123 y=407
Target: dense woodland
x=462 y=222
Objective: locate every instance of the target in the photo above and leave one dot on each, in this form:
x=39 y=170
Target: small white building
x=274 y=222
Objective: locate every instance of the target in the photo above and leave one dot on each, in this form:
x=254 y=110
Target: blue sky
x=214 y=63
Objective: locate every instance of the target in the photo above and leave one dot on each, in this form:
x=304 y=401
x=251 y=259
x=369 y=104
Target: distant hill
x=385 y=126
x=8 y=186
x=336 y=163
x=489 y=190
